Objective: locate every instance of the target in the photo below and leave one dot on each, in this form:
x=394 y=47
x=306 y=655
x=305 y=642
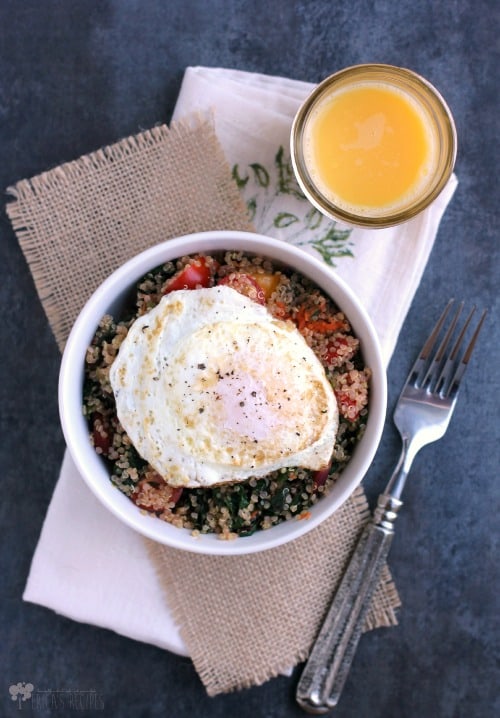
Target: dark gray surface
x=76 y=75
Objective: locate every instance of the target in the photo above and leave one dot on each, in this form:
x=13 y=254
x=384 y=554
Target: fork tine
x=418 y=370
x=455 y=382
x=449 y=364
x=436 y=361
x=438 y=371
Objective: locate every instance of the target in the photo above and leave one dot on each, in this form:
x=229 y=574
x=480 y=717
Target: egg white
x=211 y=388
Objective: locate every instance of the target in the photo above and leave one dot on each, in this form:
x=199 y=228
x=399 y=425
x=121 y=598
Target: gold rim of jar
x=422 y=92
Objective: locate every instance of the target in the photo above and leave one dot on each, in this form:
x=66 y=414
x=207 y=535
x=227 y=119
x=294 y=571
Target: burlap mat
x=243 y=619
x=80 y=221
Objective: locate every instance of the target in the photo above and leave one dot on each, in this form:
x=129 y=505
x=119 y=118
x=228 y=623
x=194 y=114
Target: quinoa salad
x=241 y=508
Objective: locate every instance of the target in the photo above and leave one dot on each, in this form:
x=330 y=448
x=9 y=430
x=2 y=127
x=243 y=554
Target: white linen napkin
x=103 y=576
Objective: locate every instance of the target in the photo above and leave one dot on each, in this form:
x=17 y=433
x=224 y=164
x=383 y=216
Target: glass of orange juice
x=373 y=145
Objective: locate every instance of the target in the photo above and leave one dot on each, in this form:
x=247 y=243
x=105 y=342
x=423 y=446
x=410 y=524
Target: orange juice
x=373 y=145
x=368 y=147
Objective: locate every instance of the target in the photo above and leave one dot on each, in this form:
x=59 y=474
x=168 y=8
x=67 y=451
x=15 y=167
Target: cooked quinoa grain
x=238 y=509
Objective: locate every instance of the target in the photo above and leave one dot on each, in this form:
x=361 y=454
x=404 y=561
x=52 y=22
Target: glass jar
x=387 y=125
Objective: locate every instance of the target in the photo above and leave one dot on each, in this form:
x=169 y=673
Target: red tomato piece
x=101 y=434
x=320 y=476
x=153 y=494
x=348 y=405
x=195 y=274
x=245 y=284
x=352 y=394
x=334 y=347
x=341 y=348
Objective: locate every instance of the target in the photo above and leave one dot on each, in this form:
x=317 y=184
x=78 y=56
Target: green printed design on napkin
x=262 y=186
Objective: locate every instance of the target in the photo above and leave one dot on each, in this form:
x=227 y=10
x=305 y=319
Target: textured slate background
x=75 y=75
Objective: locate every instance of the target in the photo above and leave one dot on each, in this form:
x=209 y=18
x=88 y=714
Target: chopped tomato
x=341 y=348
x=101 y=434
x=352 y=393
x=245 y=284
x=197 y=273
x=348 y=406
x=267 y=281
x=320 y=476
x=153 y=494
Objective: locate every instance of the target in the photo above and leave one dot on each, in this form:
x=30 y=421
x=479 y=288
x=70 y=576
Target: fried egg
x=211 y=388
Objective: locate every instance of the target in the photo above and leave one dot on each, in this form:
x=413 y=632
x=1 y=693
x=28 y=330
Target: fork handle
x=326 y=670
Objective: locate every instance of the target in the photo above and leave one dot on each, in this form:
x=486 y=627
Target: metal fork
x=422 y=415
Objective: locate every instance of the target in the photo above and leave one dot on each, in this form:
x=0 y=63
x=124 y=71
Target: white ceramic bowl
x=110 y=297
